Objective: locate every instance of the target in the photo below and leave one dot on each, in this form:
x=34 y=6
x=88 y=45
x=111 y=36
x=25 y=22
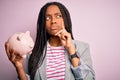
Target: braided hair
x=37 y=56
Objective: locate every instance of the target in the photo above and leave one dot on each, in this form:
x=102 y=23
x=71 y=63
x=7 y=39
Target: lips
x=54 y=29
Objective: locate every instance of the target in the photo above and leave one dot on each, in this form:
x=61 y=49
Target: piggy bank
x=22 y=43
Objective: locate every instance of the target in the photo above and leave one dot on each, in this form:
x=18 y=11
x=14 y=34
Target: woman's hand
x=15 y=58
x=66 y=40
x=17 y=61
x=65 y=37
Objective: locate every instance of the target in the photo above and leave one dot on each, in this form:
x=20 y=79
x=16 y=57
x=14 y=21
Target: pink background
x=96 y=22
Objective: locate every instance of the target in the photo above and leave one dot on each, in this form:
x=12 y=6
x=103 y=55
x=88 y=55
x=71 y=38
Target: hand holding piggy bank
x=22 y=43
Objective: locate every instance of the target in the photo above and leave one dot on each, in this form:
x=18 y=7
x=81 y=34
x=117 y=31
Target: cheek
x=47 y=29
x=47 y=25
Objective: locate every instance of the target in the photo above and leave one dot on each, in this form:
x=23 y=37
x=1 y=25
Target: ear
x=27 y=32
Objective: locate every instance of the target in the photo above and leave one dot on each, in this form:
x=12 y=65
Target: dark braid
x=42 y=37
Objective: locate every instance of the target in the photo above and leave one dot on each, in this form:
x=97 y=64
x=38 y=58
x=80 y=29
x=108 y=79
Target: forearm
x=75 y=60
x=83 y=72
x=21 y=73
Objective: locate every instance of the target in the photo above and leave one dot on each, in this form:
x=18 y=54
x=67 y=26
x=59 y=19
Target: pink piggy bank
x=22 y=43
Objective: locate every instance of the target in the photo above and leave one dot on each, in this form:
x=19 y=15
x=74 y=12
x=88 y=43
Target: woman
x=56 y=55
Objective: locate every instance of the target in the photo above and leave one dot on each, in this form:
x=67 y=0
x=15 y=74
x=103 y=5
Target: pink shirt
x=55 y=69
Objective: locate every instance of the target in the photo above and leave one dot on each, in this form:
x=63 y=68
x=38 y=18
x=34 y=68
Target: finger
x=12 y=55
x=7 y=49
x=63 y=37
x=18 y=56
x=58 y=32
x=62 y=34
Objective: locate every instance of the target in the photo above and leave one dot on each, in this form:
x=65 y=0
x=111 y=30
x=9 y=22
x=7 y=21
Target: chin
x=52 y=34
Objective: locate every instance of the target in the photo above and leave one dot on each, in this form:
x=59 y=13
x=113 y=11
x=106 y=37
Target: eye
x=48 y=18
x=58 y=16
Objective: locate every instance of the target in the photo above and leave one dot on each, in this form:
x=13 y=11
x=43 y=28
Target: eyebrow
x=54 y=14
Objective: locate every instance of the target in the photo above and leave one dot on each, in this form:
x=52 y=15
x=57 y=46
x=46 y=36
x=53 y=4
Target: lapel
x=68 y=72
x=41 y=72
x=42 y=69
x=67 y=68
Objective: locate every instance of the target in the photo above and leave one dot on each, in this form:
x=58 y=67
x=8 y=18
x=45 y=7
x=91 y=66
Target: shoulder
x=80 y=45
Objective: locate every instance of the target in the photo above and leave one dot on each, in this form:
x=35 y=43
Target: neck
x=55 y=41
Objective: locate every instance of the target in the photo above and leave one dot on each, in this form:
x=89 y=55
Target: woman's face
x=54 y=20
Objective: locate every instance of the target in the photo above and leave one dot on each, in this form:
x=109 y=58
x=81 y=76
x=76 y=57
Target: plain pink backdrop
x=96 y=22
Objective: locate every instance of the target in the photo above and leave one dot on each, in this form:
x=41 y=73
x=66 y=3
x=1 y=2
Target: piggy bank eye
x=18 y=38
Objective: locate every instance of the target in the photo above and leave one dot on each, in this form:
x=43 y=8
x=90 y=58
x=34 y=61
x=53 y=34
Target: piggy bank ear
x=27 y=32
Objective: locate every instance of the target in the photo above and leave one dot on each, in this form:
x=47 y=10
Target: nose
x=53 y=21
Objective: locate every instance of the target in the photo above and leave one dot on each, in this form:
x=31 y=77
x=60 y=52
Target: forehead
x=52 y=9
